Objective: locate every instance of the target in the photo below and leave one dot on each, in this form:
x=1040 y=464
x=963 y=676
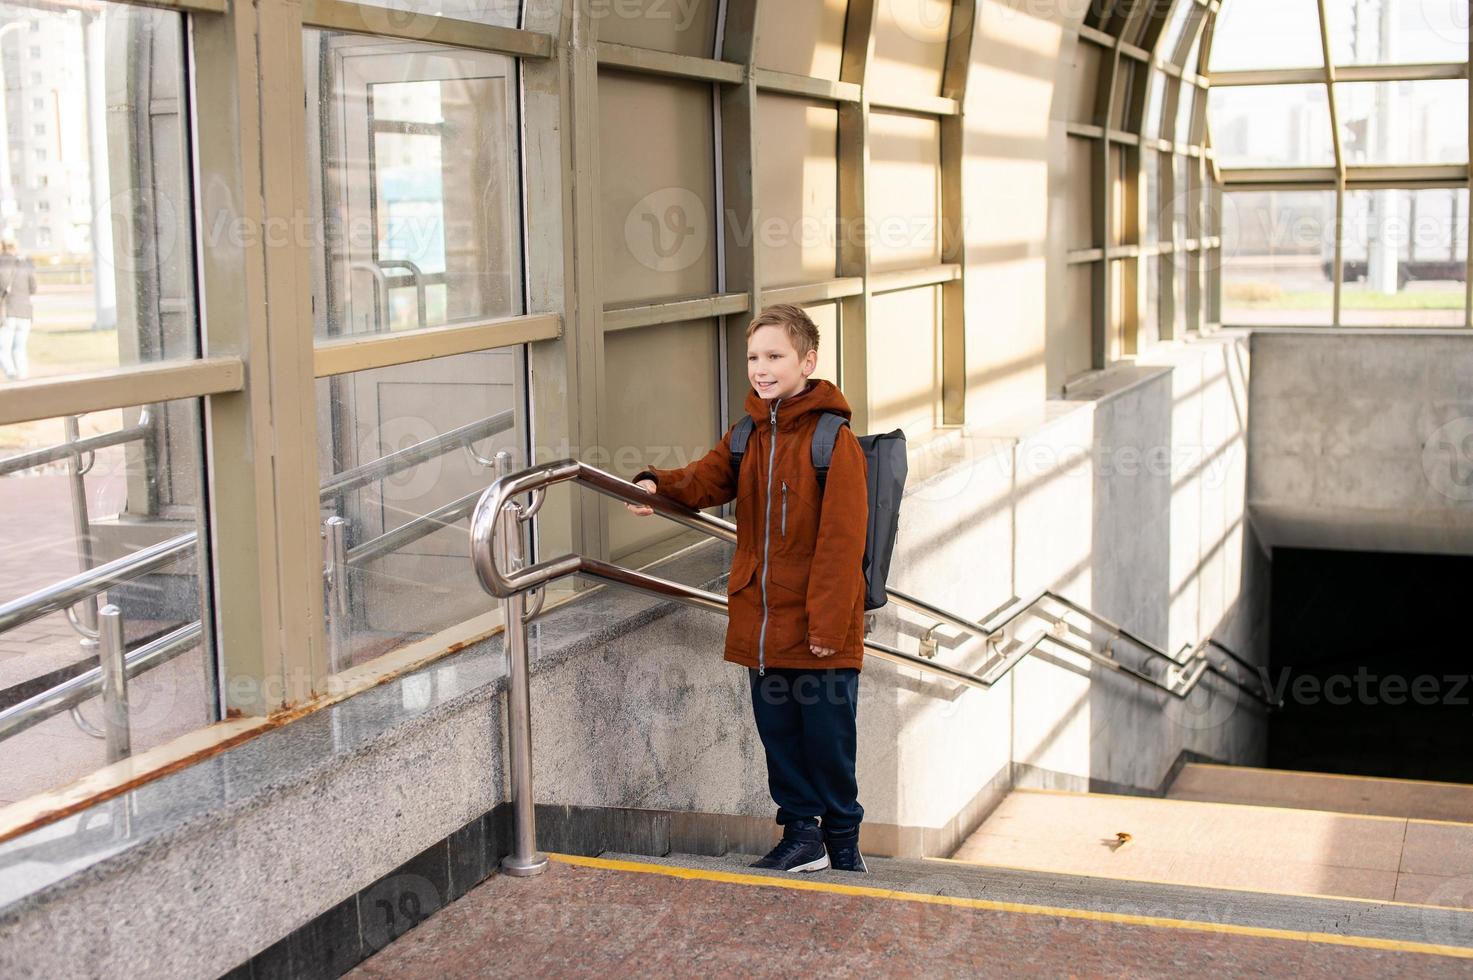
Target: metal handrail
x=496 y=538
x=535 y=480
x=88 y=684
x=420 y=452
x=60 y=595
x=76 y=447
x=63 y=594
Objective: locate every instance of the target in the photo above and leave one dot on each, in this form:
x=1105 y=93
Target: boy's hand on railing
x=643 y=510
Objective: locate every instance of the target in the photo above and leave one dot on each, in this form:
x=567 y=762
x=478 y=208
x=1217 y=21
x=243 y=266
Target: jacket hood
x=818 y=396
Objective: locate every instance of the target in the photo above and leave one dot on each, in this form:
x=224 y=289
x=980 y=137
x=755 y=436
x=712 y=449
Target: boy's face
x=773 y=365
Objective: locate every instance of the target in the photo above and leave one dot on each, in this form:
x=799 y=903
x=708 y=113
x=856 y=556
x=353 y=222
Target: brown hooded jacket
x=796 y=577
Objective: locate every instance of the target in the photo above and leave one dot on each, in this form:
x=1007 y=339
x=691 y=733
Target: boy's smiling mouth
x=765 y=385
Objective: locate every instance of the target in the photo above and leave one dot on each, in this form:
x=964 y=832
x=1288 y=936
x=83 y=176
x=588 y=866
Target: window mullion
x=261 y=441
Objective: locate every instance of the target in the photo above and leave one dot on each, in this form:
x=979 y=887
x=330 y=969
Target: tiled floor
x=584 y=921
x=1229 y=845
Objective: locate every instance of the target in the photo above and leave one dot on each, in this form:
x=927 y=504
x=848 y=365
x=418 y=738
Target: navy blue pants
x=806 y=721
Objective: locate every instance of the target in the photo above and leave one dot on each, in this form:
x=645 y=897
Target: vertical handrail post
x=82 y=529
x=114 y=683
x=335 y=531
x=524 y=859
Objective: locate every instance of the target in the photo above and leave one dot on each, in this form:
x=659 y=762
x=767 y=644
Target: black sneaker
x=843 y=848
x=801 y=849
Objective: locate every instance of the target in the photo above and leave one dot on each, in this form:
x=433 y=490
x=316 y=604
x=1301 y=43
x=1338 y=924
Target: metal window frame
x=1343 y=177
x=260 y=363
x=738 y=80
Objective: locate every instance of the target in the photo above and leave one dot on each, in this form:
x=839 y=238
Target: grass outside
x=1270 y=296
x=62 y=341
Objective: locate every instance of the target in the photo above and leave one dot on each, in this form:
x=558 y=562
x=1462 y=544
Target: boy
x=796 y=588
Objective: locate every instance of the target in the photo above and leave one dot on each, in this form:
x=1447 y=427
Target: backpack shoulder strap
x=822 y=449
x=740 y=432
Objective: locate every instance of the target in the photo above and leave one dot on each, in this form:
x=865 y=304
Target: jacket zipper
x=767 y=542
x=785 y=509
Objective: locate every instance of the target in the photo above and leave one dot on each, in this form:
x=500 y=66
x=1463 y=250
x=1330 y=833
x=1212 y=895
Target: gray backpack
x=884 y=456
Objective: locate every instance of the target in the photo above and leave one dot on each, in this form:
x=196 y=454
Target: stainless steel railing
x=88 y=584
x=496 y=553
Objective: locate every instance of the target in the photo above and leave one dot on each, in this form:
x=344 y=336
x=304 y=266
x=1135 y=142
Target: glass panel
x=1151 y=125
x=1117 y=194
x=1151 y=164
x=1150 y=329
x=904 y=191
x=825 y=317
x=1177 y=22
x=1367 y=32
x=1278 y=252
x=502 y=13
x=1404 y=122
x=797 y=189
x=658 y=172
x=1184 y=107
x=1271 y=126
x=1405 y=257
x=1267 y=34
x=802 y=38
x=1189 y=61
x=1181 y=198
x=99 y=248
x=1086 y=81
x=687 y=27
x=414 y=149
x=407 y=532
x=69 y=515
x=1079 y=193
x=1077 y=329
x=906 y=325
x=667 y=419
x=909 y=47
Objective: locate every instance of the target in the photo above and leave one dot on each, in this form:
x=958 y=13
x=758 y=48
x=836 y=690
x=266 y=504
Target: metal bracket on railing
x=86 y=727
x=82 y=629
x=928 y=643
x=470 y=449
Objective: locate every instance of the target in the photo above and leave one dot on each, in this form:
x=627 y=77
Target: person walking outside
x=17 y=285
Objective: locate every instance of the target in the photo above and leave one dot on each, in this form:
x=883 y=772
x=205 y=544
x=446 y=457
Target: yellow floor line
x=1331 y=775
x=1192 y=884
x=763 y=881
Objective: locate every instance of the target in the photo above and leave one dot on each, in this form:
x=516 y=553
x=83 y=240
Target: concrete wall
x=1363 y=440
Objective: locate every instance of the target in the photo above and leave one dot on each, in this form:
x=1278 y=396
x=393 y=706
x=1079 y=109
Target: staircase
x=1272 y=832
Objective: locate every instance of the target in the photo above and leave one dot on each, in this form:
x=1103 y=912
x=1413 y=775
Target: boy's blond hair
x=801 y=330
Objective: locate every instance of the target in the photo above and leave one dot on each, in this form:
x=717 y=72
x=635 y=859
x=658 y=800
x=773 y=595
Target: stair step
x=1112 y=897
x=1229 y=845
x=1366 y=795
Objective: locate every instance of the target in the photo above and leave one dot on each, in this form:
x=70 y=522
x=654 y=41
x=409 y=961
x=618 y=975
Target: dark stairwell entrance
x=1373 y=661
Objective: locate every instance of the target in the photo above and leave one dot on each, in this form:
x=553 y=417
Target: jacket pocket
x=791 y=573
x=743 y=564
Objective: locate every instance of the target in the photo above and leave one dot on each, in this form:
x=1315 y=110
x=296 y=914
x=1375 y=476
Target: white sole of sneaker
x=815 y=865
